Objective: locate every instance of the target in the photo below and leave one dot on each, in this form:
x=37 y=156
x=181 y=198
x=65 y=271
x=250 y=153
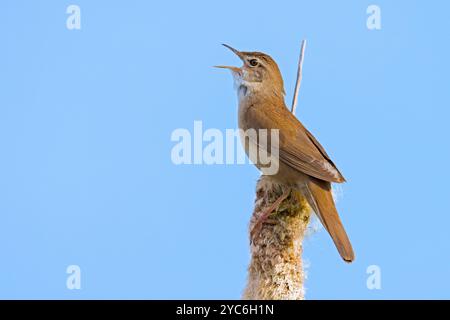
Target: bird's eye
x=253 y=62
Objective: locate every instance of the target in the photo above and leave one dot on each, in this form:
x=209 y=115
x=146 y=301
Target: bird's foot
x=265 y=214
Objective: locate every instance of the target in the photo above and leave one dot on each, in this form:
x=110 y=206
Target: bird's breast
x=242 y=114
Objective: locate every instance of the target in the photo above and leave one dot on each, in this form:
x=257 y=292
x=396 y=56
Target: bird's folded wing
x=297 y=146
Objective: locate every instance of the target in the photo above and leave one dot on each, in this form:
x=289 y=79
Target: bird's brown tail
x=321 y=201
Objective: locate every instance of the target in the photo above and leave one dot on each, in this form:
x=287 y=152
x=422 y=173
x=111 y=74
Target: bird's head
x=258 y=75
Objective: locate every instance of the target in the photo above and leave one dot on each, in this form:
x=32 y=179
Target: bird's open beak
x=234 y=69
x=238 y=53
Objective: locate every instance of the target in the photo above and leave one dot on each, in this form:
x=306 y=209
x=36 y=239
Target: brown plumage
x=303 y=162
x=321 y=200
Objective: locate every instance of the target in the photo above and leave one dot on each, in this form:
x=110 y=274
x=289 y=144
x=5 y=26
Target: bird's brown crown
x=263 y=68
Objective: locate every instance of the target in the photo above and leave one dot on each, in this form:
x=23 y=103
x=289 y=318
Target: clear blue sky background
x=86 y=116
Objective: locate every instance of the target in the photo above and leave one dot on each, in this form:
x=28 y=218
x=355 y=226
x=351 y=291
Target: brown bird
x=302 y=162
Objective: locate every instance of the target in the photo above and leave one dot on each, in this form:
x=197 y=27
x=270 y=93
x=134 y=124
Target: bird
x=303 y=163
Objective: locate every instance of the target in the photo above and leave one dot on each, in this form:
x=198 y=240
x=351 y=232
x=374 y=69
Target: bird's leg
x=266 y=213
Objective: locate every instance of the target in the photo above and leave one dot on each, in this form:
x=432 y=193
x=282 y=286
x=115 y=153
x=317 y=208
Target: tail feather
x=320 y=198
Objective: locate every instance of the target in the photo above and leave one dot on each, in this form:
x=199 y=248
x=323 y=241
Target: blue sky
x=86 y=116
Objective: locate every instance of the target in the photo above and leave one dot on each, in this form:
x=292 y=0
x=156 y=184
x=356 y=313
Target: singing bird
x=303 y=163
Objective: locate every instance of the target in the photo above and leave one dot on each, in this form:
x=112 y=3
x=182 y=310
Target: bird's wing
x=297 y=146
